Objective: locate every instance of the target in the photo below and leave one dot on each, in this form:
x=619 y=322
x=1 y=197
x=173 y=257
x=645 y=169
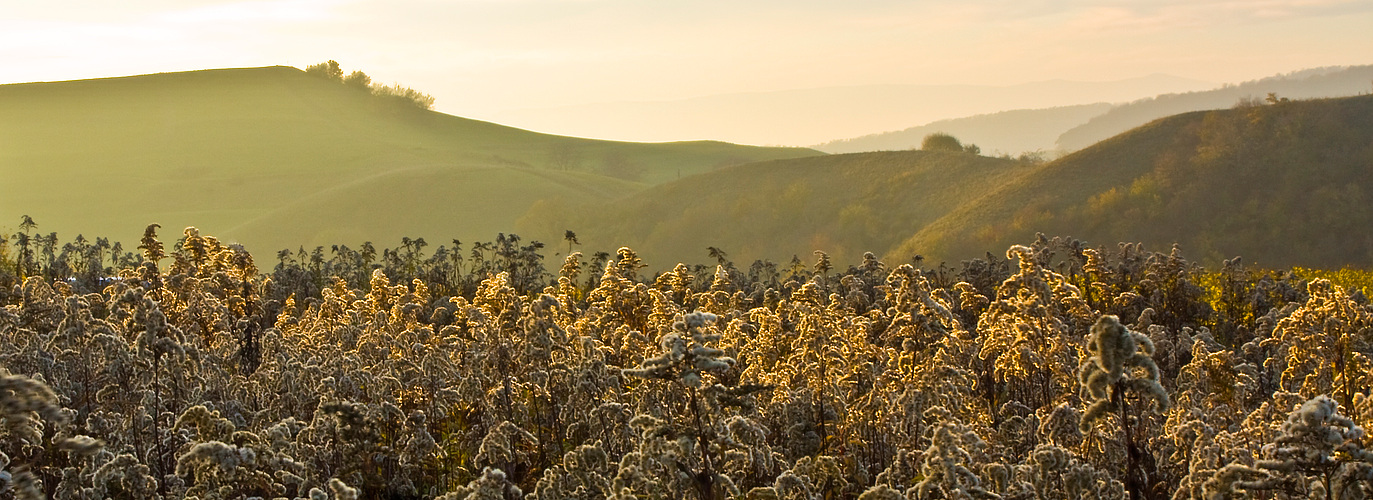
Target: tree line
x=330 y=70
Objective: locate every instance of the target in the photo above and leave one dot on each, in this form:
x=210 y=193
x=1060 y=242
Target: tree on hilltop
x=358 y=80
x=329 y=70
x=940 y=141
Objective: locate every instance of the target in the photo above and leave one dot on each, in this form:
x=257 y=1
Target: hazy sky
x=479 y=57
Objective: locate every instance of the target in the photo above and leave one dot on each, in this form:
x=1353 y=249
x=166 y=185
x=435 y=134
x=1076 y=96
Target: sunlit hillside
x=274 y=158
x=1280 y=184
x=1283 y=184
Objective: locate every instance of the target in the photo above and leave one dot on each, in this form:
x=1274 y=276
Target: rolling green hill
x=1281 y=185
x=275 y=158
x=842 y=204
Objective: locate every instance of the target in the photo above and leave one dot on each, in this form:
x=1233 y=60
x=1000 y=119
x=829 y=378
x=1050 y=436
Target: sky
x=480 y=58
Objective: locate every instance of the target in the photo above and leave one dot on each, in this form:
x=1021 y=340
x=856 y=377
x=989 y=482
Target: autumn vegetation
x=1055 y=370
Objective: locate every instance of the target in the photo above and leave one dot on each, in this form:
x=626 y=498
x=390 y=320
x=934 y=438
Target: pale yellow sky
x=483 y=57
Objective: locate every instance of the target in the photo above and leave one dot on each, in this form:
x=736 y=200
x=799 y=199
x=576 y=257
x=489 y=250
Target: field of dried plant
x=1060 y=371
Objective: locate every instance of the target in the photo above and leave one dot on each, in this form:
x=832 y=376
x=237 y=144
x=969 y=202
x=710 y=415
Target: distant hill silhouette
x=1281 y=185
x=275 y=158
x=1306 y=84
x=1007 y=132
x=811 y=116
x=1069 y=128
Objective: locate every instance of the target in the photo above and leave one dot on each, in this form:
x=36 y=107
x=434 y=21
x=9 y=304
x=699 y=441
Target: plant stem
x=706 y=479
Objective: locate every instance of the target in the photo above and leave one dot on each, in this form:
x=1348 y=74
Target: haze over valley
x=811 y=116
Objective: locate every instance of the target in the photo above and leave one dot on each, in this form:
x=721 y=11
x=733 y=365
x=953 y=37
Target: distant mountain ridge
x=1337 y=81
x=1068 y=128
x=812 y=116
x=275 y=158
x=1008 y=132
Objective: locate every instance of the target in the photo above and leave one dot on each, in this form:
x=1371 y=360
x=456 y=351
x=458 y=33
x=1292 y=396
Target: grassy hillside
x=257 y=155
x=1282 y=185
x=1308 y=84
x=1010 y=132
x=842 y=204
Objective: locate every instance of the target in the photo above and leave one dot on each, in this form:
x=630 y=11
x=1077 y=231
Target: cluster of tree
x=330 y=70
x=940 y=141
x=569 y=156
x=82 y=262
x=1059 y=371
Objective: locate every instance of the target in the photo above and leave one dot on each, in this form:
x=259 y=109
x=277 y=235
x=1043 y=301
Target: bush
x=392 y=373
x=328 y=70
x=358 y=80
x=418 y=99
x=940 y=141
